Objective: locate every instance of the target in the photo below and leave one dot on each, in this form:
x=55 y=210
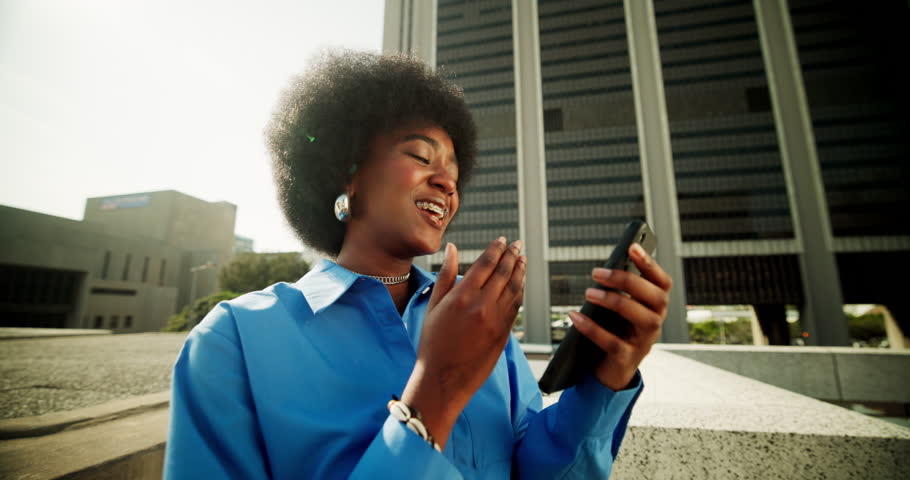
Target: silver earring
x=343 y=208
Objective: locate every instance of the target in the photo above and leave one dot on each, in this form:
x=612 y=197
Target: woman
x=368 y=366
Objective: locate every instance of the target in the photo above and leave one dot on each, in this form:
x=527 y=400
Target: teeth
x=439 y=211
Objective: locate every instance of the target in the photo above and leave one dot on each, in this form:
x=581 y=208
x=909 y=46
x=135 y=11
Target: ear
x=349 y=189
x=354 y=180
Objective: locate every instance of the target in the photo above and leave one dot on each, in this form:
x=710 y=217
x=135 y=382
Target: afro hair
x=326 y=118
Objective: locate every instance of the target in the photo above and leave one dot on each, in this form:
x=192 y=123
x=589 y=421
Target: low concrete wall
x=143 y=465
x=829 y=373
x=9 y=333
x=127 y=448
x=698 y=421
x=692 y=421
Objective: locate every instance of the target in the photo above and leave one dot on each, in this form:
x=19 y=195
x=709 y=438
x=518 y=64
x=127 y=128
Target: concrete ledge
x=698 y=421
x=537 y=351
x=55 y=422
x=146 y=464
x=14 y=333
x=655 y=453
x=829 y=373
x=129 y=447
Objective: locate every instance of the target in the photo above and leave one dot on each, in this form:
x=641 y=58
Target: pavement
x=45 y=375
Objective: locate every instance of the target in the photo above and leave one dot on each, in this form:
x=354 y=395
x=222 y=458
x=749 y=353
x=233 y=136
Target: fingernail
x=637 y=251
x=595 y=294
x=576 y=318
x=517 y=244
x=501 y=240
x=602 y=273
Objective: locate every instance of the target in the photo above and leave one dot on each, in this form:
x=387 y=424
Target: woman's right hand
x=465 y=330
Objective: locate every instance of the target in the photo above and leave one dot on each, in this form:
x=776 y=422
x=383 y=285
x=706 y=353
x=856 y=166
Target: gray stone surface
x=698 y=421
x=875 y=376
x=8 y=333
x=664 y=453
x=39 y=376
x=50 y=423
x=129 y=447
x=828 y=373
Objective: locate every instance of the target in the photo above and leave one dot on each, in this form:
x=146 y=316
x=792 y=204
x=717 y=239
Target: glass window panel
x=725 y=153
x=858 y=105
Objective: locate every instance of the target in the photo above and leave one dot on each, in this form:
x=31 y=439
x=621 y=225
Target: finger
x=503 y=271
x=513 y=295
x=645 y=322
x=604 y=339
x=486 y=263
x=634 y=285
x=649 y=268
x=447 y=275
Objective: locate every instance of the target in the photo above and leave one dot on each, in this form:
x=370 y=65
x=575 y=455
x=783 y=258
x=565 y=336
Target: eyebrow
x=417 y=136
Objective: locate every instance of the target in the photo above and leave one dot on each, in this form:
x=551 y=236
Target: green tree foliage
x=867 y=329
x=738 y=332
x=191 y=315
x=254 y=271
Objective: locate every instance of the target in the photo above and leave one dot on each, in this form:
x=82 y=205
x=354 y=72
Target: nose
x=444 y=181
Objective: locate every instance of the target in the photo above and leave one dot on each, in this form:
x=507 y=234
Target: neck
x=366 y=258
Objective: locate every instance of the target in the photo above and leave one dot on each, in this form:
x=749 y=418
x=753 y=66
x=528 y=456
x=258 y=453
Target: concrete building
x=131 y=263
x=243 y=244
x=764 y=142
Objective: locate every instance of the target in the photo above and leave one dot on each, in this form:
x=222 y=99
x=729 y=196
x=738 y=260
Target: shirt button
x=425 y=290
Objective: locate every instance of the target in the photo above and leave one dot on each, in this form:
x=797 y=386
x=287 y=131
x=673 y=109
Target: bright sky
x=106 y=97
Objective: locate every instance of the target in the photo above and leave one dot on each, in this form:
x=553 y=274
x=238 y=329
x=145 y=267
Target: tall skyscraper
x=765 y=141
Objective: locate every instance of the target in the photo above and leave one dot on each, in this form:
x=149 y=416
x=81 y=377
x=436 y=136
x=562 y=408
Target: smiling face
x=404 y=195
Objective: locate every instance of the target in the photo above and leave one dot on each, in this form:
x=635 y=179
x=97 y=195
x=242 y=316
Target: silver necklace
x=392 y=280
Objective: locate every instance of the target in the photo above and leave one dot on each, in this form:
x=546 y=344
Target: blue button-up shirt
x=293 y=382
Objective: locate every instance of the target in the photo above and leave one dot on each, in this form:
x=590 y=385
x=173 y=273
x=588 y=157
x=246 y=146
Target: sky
x=108 y=97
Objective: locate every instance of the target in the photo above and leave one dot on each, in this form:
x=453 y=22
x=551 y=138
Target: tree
x=738 y=332
x=254 y=271
x=191 y=315
x=867 y=329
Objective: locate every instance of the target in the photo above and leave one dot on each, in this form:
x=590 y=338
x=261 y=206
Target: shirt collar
x=327 y=282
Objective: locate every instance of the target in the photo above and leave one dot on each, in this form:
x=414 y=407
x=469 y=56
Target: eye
x=420 y=159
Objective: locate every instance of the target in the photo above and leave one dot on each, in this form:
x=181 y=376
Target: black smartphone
x=576 y=355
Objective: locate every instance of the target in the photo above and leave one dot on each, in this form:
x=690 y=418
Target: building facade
x=131 y=263
x=764 y=141
x=243 y=244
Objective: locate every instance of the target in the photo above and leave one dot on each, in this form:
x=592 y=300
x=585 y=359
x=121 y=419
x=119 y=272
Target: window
x=99 y=321
x=112 y=291
x=145 y=269
x=128 y=322
x=161 y=272
x=126 y=267
x=115 y=319
x=106 y=264
x=758 y=99
x=552 y=120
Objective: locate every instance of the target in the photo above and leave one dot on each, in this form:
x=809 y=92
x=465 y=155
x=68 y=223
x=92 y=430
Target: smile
x=438 y=211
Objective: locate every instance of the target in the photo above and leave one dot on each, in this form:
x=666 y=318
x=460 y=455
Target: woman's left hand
x=645 y=308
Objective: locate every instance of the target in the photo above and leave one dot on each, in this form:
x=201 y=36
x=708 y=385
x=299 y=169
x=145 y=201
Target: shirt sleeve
x=579 y=436
x=397 y=452
x=214 y=432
